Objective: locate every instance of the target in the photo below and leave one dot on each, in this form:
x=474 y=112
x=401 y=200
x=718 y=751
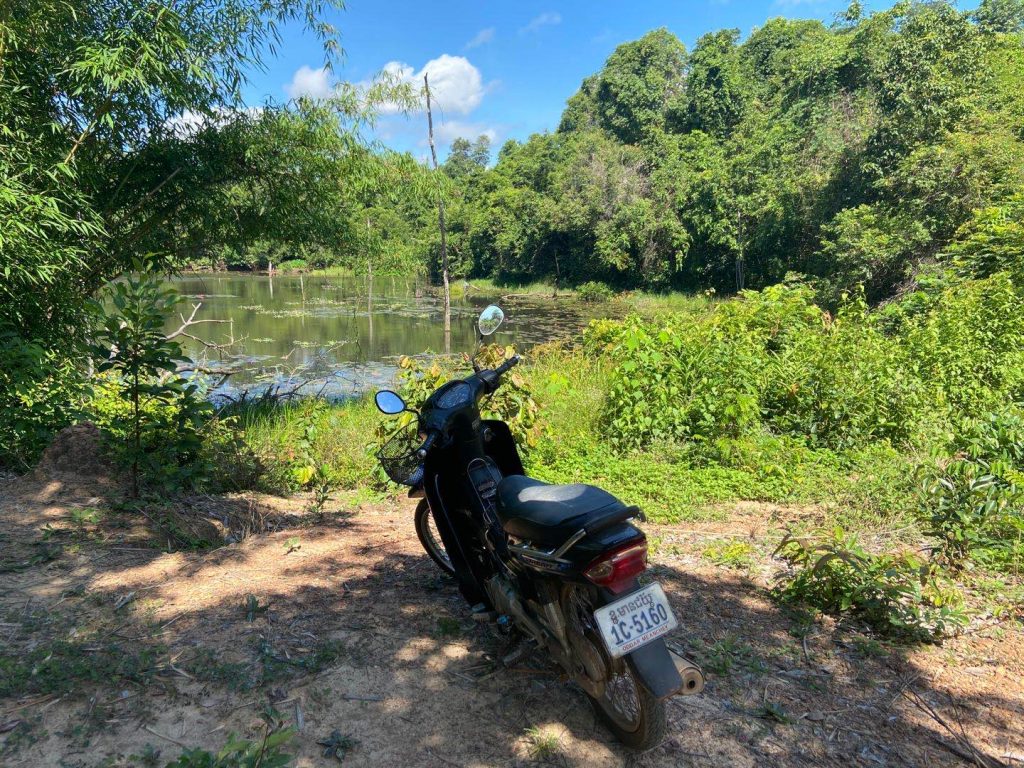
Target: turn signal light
x=620 y=565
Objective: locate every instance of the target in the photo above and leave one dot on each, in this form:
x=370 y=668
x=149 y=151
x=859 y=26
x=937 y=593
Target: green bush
x=772 y=360
x=970 y=345
x=681 y=380
x=41 y=391
x=973 y=502
x=293 y=265
x=594 y=291
x=155 y=416
x=841 y=383
x=991 y=242
x=898 y=594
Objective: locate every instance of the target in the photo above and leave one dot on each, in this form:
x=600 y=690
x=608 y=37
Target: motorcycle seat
x=549 y=514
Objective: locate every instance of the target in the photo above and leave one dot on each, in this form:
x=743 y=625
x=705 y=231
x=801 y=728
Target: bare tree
x=440 y=219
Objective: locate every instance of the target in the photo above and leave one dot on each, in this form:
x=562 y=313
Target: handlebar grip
x=508 y=365
x=427 y=445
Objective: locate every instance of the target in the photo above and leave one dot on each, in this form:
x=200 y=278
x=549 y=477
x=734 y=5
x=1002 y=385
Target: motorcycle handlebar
x=427 y=444
x=490 y=379
x=508 y=365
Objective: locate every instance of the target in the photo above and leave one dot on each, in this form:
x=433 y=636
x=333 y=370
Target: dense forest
x=845 y=154
x=850 y=154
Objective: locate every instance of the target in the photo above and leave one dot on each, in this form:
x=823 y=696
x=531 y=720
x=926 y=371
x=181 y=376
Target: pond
x=344 y=335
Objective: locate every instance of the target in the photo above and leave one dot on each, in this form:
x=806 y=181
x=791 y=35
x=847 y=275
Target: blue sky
x=500 y=68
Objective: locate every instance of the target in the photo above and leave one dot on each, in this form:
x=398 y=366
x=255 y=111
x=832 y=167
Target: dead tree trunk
x=440 y=220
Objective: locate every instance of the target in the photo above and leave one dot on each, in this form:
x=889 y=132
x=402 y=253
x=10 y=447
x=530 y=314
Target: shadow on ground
x=348 y=627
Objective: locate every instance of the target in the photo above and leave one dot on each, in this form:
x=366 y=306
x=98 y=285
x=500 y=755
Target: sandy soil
x=347 y=626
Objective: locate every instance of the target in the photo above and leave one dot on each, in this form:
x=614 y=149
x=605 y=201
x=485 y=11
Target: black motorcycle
x=559 y=564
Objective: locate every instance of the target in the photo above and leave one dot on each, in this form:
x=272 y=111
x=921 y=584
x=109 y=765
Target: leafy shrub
x=601 y=336
x=682 y=380
x=594 y=291
x=973 y=502
x=991 y=242
x=293 y=265
x=970 y=345
x=898 y=594
x=772 y=359
x=513 y=402
x=242 y=753
x=841 y=383
x=41 y=391
x=155 y=415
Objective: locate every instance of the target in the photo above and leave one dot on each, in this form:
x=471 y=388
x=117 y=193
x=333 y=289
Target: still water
x=345 y=334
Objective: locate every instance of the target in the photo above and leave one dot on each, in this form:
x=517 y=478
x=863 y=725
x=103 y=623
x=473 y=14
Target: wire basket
x=398 y=456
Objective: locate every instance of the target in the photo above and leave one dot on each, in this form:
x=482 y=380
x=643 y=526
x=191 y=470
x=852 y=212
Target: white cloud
x=455 y=84
x=544 y=20
x=185 y=124
x=189 y=122
x=483 y=37
x=309 y=82
x=450 y=130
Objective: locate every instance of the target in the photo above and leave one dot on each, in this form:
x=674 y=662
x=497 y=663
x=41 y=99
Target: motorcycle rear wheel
x=629 y=710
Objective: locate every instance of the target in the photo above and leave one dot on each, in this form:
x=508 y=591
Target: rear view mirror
x=389 y=402
x=490 y=320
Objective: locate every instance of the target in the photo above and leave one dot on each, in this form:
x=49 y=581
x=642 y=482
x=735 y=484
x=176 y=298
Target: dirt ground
x=345 y=627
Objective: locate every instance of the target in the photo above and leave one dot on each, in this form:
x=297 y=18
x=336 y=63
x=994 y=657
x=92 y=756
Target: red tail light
x=620 y=565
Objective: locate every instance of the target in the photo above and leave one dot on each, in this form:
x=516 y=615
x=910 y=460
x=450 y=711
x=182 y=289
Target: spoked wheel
x=430 y=537
x=635 y=716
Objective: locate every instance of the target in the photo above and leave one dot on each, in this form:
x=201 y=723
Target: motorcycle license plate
x=635 y=620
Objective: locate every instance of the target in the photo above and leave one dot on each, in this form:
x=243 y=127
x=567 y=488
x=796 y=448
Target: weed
x=542 y=742
x=253 y=608
x=868 y=648
x=731 y=553
x=64 y=666
x=727 y=654
x=774 y=712
x=241 y=753
x=207 y=666
x=149 y=758
x=337 y=745
x=594 y=291
x=899 y=594
x=448 y=627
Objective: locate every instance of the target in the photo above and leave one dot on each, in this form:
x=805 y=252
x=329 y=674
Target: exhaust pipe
x=692 y=677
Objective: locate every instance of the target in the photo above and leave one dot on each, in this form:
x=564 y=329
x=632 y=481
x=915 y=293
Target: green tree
x=1000 y=15
x=716 y=89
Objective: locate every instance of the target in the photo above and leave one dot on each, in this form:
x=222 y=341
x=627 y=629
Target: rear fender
x=655 y=669
x=653 y=664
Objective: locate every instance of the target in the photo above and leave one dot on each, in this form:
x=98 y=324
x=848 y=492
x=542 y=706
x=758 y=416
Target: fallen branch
x=962 y=746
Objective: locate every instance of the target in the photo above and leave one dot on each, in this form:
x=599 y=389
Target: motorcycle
x=561 y=565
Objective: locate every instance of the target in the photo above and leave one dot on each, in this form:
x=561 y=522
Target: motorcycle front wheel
x=629 y=710
x=430 y=538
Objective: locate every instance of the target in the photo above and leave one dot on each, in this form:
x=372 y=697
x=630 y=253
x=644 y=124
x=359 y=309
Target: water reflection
x=347 y=331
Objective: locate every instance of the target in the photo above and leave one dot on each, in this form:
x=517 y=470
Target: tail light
x=612 y=569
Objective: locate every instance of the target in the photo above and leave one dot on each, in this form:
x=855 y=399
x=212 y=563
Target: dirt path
x=346 y=628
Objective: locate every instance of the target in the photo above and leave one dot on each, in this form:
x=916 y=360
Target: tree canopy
x=849 y=154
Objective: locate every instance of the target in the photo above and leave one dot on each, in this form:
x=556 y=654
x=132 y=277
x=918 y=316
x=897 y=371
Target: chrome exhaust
x=690 y=673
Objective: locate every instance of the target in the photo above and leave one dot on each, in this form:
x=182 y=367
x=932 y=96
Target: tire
x=426 y=530
x=648 y=730
x=626 y=707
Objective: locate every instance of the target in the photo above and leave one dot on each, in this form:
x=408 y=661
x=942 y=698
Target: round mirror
x=490 y=319
x=389 y=402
